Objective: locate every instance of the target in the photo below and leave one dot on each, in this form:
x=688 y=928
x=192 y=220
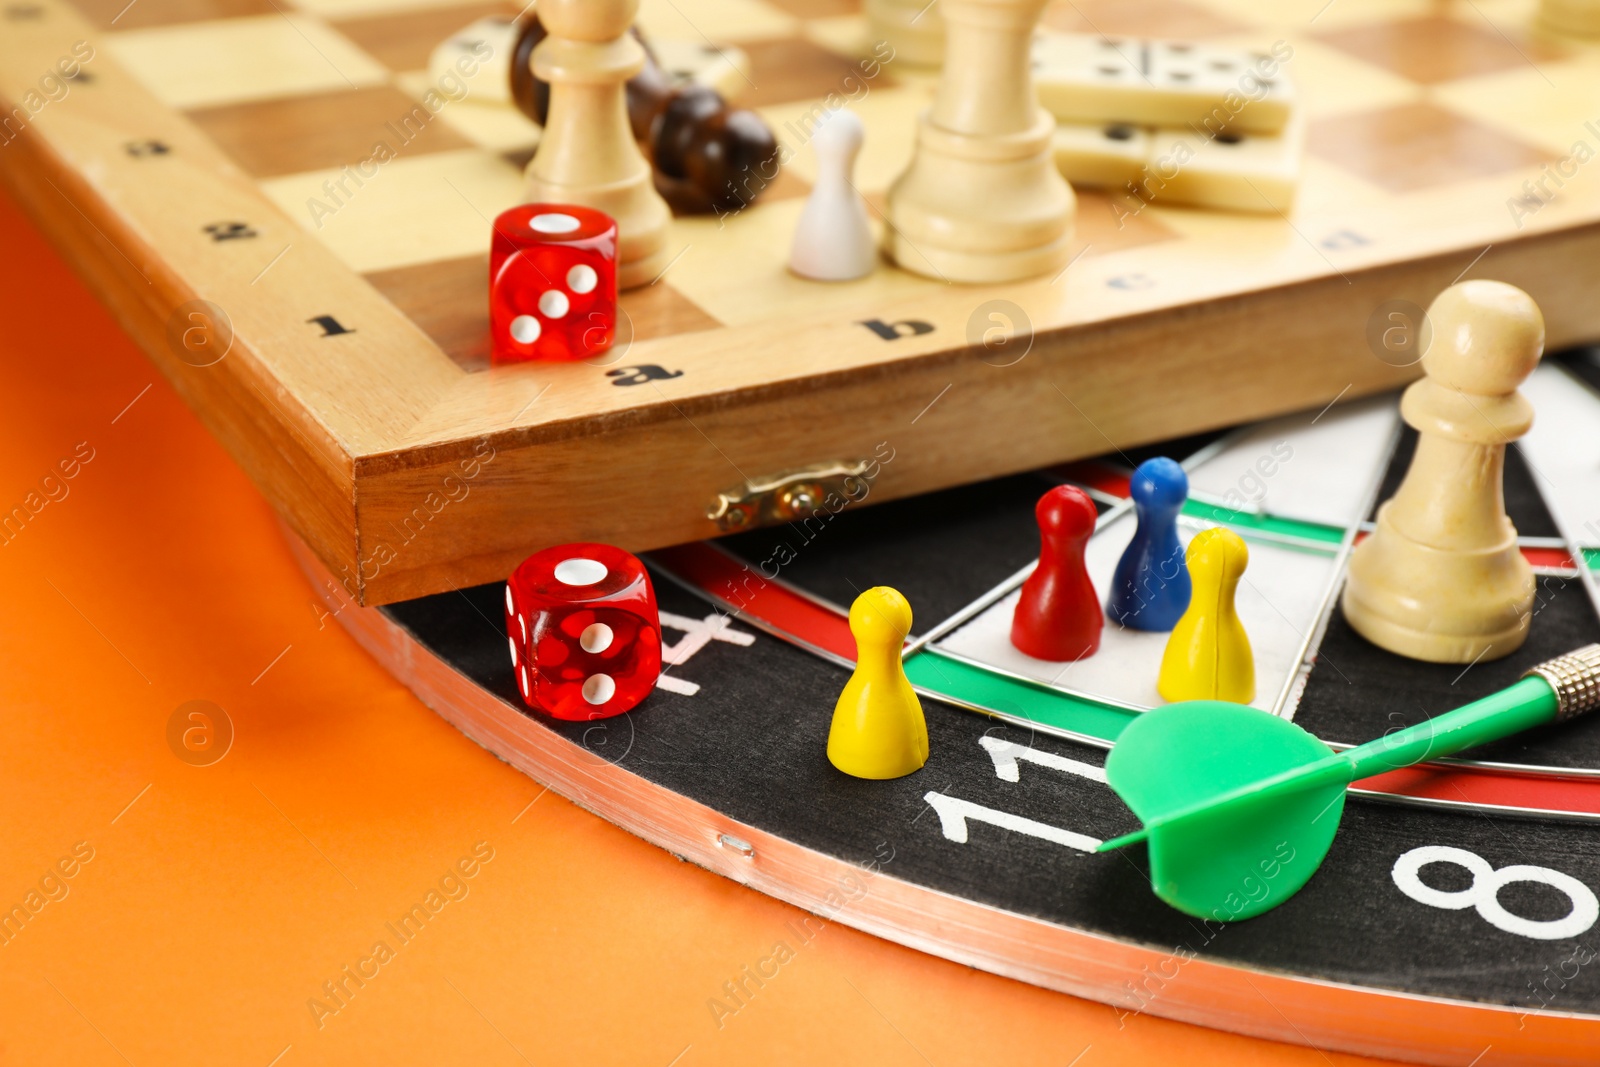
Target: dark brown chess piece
x=706 y=156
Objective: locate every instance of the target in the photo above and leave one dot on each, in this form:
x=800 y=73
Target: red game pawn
x=585 y=633
x=1059 y=616
x=552 y=283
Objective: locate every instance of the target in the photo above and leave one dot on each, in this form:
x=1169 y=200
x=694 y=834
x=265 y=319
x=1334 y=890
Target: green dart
x=1239 y=807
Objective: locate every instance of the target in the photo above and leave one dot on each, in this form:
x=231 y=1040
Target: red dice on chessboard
x=552 y=283
x=584 y=630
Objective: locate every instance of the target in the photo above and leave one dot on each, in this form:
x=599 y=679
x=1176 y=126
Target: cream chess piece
x=833 y=240
x=913 y=28
x=587 y=154
x=982 y=200
x=1442 y=578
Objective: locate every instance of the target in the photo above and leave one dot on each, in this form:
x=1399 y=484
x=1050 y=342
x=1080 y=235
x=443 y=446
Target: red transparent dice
x=585 y=633
x=552 y=283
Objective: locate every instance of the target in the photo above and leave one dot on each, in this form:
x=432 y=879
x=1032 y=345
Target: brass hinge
x=791 y=496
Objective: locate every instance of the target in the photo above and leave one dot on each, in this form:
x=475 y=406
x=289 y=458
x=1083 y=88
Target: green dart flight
x=1240 y=807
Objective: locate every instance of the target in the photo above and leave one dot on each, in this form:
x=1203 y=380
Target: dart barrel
x=1575 y=679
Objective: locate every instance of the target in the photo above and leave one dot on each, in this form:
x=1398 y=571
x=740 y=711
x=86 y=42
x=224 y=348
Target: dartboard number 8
x=1484 y=892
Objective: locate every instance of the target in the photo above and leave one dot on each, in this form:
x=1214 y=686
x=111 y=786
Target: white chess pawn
x=833 y=241
x=1441 y=578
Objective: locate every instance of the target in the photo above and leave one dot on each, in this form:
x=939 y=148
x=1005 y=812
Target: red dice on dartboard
x=552 y=283
x=585 y=634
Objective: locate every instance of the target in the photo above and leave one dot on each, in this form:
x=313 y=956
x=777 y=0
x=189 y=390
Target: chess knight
x=1442 y=578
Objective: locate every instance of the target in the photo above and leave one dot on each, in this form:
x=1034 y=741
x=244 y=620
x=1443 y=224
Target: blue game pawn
x=1150 y=589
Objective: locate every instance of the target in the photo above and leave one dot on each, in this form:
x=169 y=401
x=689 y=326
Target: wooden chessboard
x=179 y=166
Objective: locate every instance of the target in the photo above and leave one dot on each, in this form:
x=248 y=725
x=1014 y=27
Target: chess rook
x=1058 y=615
x=981 y=200
x=1442 y=579
x=914 y=28
x=833 y=240
x=587 y=154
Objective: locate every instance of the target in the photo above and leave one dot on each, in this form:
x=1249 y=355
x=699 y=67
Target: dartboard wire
x=1105 y=518
x=1312 y=642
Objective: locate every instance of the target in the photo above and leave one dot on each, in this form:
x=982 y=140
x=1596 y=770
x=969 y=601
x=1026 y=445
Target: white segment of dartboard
x=1313 y=466
x=484 y=48
x=833 y=240
x=1334 y=458
x=1563 y=448
x=1087 y=78
x=1277 y=601
x=1563 y=451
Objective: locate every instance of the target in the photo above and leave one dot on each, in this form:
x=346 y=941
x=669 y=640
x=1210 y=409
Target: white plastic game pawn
x=1442 y=578
x=833 y=240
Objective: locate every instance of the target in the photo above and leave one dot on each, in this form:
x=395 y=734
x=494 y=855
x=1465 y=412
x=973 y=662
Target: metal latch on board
x=793 y=495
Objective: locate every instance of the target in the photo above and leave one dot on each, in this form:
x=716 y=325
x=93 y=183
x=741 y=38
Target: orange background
x=220 y=898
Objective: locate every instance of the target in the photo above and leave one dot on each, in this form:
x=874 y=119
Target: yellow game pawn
x=878 y=729
x=1208 y=656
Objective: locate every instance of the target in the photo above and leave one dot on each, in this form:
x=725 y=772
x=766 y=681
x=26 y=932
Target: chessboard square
x=1163 y=19
x=848 y=35
x=1301 y=15
x=889 y=116
x=404 y=40
x=1548 y=107
x=288 y=135
x=1418 y=146
x=818 y=9
x=347 y=9
x=1332 y=82
x=139 y=14
x=209 y=63
x=448 y=299
x=659 y=310
x=497 y=128
x=413 y=210
x=1107 y=222
x=738 y=271
x=714 y=20
x=1436 y=49
x=791 y=68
